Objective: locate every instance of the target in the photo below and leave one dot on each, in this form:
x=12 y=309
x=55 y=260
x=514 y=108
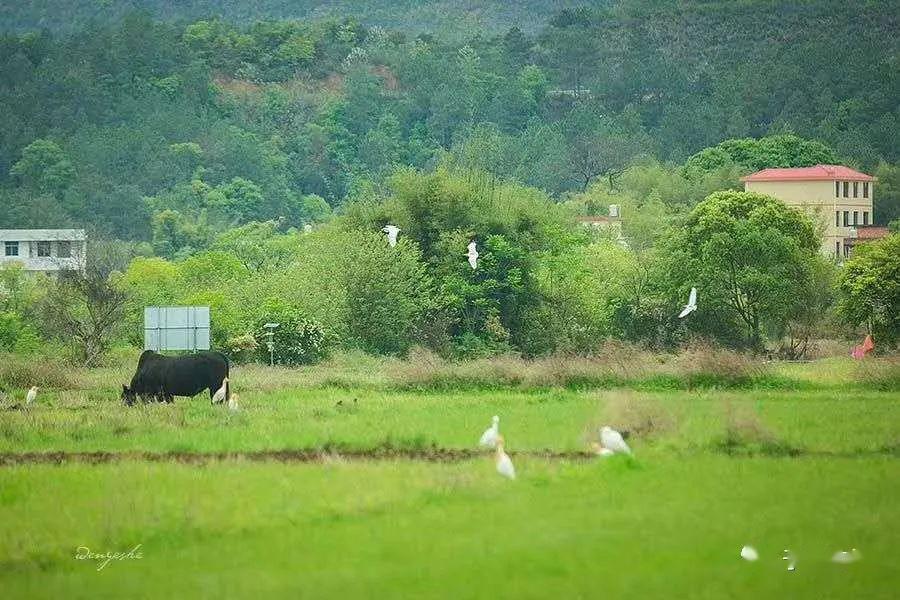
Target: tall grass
x=21 y=372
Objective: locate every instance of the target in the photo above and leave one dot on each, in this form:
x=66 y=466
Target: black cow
x=161 y=377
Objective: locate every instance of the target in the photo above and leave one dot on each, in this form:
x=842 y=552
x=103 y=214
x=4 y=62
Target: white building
x=44 y=249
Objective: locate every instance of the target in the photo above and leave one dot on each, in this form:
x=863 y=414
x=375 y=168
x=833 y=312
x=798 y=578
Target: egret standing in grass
x=472 y=254
x=691 y=306
x=221 y=393
x=391 y=231
x=490 y=435
x=31 y=395
x=613 y=440
x=504 y=464
x=845 y=558
x=233 y=403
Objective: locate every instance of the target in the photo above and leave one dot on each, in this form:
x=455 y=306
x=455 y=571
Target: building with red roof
x=839 y=198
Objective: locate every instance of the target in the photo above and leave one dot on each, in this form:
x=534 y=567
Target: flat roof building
x=45 y=250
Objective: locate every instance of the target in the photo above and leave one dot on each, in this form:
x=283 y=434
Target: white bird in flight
x=490 y=435
x=391 y=231
x=691 y=306
x=220 y=394
x=233 y=403
x=472 y=254
x=613 y=440
x=845 y=558
x=31 y=395
x=749 y=553
x=504 y=464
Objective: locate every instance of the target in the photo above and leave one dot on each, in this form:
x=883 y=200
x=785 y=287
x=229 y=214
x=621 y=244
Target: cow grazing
x=161 y=378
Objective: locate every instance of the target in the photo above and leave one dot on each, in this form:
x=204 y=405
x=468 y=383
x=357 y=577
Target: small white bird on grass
x=233 y=403
x=31 y=395
x=691 y=306
x=613 y=440
x=391 y=231
x=221 y=393
x=791 y=558
x=504 y=464
x=472 y=254
x=845 y=558
x=491 y=434
x=749 y=553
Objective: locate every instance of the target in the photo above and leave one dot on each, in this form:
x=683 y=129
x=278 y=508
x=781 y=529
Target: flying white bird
x=691 y=306
x=845 y=558
x=220 y=394
x=391 y=231
x=504 y=464
x=233 y=403
x=490 y=435
x=613 y=440
x=791 y=558
x=31 y=395
x=749 y=553
x=473 y=255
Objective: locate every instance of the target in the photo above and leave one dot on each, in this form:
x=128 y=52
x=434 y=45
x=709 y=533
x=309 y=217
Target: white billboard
x=176 y=328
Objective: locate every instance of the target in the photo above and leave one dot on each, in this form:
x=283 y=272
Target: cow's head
x=128 y=395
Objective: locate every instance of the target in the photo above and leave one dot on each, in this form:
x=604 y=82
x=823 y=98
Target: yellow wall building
x=837 y=197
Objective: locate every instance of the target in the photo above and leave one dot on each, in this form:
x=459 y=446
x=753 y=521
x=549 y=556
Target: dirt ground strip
x=285 y=456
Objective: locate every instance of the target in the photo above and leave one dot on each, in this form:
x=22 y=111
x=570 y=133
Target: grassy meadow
x=387 y=495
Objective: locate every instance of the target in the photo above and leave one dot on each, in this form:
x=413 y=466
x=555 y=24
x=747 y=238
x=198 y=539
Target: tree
x=869 y=289
x=749 y=256
x=84 y=311
x=751 y=154
x=44 y=167
x=886 y=196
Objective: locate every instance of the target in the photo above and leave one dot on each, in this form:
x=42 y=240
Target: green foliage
x=869 y=289
x=756 y=154
x=298 y=341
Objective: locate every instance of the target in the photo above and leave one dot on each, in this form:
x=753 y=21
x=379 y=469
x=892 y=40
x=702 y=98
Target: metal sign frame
x=176 y=328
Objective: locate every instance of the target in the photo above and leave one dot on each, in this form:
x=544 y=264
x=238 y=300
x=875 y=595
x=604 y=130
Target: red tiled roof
x=816 y=173
x=871 y=233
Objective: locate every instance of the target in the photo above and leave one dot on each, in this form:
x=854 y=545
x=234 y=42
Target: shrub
x=298 y=341
x=21 y=372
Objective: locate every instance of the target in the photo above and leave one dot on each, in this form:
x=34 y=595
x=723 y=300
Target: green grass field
x=380 y=507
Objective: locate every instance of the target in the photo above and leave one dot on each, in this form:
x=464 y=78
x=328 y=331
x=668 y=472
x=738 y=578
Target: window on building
x=865 y=189
x=837 y=189
x=12 y=248
x=846 y=218
x=64 y=249
x=846 y=251
x=865 y=217
x=855 y=218
x=855 y=189
x=837 y=248
x=43 y=249
x=846 y=189
x=837 y=218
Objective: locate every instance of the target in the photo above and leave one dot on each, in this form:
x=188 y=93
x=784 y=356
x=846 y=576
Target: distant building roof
x=816 y=173
x=872 y=232
x=42 y=235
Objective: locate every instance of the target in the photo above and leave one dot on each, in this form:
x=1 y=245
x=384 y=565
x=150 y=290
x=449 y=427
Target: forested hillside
x=166 y=131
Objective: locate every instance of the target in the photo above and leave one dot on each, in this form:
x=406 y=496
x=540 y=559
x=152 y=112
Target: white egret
x=791 y=558
x=749 y=553
x=490 y=435
x=233 y=403
x=31 y=395
x=613 y=440
x=472 y=254
x=691 y=306
x=391 y=231
x=504 y=464
x=845 y=558
x=221 y=393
